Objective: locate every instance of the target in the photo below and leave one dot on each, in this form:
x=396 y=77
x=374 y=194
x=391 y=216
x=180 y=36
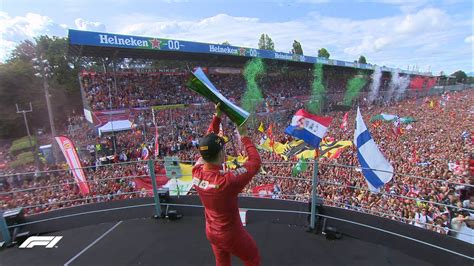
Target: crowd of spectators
x=125 y=90
x=432 y=158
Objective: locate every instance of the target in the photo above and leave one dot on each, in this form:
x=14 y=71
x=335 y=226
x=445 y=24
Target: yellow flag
x=261 y=128
x=233 y=161
x=307 y=154
x=266 y=145
x=186 y=172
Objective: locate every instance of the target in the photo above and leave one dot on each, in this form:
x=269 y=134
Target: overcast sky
x=434 y=35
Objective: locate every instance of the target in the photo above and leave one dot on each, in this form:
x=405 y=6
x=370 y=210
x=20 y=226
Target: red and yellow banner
x=69 y=151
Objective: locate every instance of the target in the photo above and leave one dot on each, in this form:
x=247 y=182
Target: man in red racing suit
x=218 y=191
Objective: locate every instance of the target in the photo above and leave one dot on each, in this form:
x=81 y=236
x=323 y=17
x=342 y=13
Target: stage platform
x=162 y=242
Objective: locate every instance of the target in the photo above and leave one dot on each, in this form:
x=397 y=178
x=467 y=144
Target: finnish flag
x=370 y=157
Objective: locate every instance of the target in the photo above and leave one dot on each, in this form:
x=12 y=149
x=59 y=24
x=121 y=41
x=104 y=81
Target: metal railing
x=263 y=178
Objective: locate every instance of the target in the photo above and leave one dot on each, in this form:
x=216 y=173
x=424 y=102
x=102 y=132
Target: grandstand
x=223 y=61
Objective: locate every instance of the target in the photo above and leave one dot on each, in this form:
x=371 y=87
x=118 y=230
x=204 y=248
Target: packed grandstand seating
x=134 y=90
x=432 y=156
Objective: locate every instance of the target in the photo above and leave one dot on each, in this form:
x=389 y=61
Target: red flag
x=157 y=145
x=144 y=182
x=335 y=154
x=414 y=156
x=145 y=153
x=376 y=124
x=344 y=121
x=397 y=130
x=270 y=135
x=263 y=191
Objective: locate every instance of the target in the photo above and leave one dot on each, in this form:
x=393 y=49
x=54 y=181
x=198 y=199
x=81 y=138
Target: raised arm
x=214 y=126
x=240 y=177
x=216 y=121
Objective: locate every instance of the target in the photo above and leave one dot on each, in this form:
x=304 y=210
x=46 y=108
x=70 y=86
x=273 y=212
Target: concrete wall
x=143 y=208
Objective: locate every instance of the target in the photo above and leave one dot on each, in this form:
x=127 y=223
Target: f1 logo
x=46 y=241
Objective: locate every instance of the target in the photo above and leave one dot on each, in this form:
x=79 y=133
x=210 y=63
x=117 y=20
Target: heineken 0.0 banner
x=103 y=39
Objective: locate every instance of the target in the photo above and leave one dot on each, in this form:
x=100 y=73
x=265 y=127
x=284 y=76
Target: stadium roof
x=100 y=44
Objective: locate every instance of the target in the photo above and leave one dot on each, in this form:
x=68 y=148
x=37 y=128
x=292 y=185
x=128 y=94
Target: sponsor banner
x=225 y=70
x=169 y=106
x=102 y=39
x=69 y=151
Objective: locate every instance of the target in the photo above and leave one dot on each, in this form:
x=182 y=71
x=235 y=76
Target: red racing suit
x=218 y=191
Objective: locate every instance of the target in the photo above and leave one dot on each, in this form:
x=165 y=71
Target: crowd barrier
x=287 y=207
x=416 y=242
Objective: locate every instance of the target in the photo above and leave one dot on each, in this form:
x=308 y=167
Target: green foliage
x=226 y=43
x=253 y=96
x=269 y=44
x=266 y=43
x=318 y=91
x=323 y=52
x=460 y=75
x=297 y=49
x=261 y=42
x=22 y=144
x=64 y=67
x=23 y=158
x=24 y=51
x=18 y=84
x=362 y=60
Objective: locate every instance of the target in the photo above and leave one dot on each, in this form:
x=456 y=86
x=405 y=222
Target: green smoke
x=253 y=96
x=317 y=92
x=354 y=86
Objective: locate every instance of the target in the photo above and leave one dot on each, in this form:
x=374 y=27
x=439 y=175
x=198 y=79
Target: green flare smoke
x=354 y=86
x=317 y=92
x=253 y=96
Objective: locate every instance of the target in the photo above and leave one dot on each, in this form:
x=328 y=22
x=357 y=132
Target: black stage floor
x=183 y=242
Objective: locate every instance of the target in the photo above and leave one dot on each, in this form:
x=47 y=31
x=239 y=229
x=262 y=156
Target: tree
x=18 y=84
x=25 y=51
x=297 y=49
x=269 y=45
x=323 y=52
x=261 y=42
x=266 y=43
x=362 y=60
x=460 y=75
x=226 y=43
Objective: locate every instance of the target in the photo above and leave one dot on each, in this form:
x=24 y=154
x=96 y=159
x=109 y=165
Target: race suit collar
x=209 y=166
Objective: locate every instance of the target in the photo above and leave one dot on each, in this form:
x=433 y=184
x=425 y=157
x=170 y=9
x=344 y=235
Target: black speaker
x=332 y=233
x=164 y=195
x=173 y=215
